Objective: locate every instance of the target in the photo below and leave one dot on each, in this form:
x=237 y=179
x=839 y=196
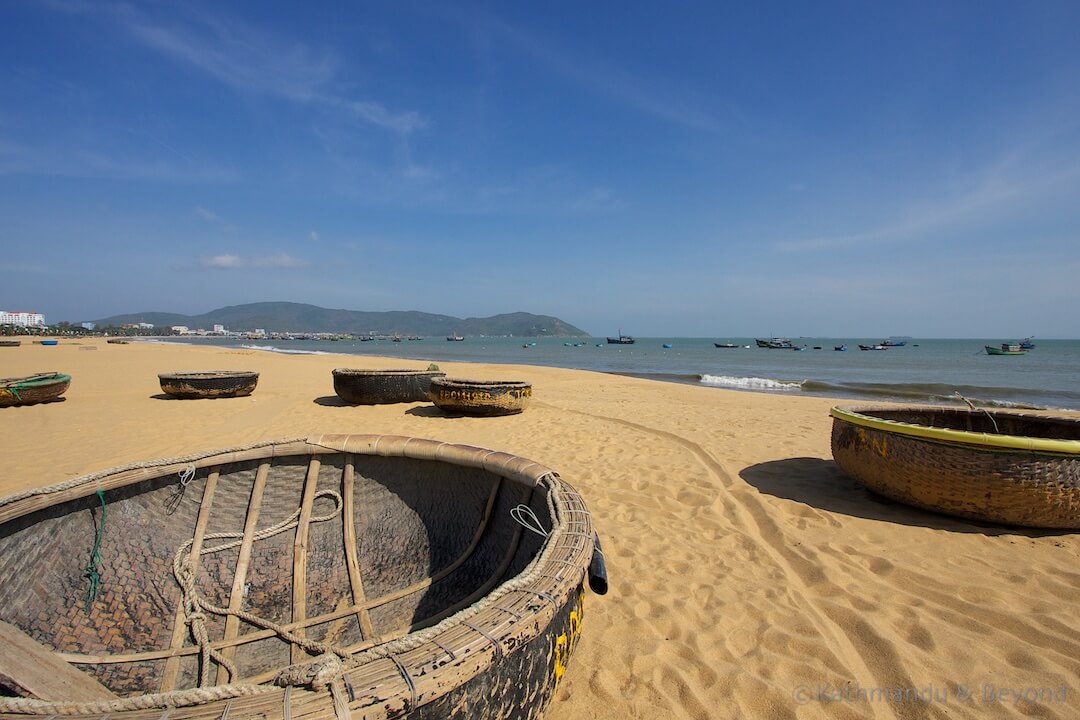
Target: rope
x=195 y=607
x=525 y=517
x=92 y=572
x=87 y=479
x=972 y=406
x=180 y=698
x=173 y=501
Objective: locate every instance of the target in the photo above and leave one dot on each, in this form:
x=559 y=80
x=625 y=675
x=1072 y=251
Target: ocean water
x=932 y=370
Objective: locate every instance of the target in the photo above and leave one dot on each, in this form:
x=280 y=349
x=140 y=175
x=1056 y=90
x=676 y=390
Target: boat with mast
x=621 y=340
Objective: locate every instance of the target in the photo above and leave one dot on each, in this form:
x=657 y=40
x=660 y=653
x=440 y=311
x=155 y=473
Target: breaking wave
x=749 y=383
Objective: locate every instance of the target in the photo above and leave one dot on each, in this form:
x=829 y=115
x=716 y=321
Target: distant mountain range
x=300 y=318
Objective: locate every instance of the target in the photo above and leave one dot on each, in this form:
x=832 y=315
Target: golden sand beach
x=750 y=578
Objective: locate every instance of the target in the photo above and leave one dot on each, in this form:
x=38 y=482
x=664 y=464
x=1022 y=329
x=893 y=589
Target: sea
x=922 y=370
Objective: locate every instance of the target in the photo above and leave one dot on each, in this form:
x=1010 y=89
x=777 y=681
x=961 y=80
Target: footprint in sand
x=879 y=566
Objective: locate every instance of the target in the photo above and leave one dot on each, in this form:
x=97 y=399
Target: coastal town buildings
x=22 y=318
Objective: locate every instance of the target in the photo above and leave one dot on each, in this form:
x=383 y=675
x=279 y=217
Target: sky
x=839 y=169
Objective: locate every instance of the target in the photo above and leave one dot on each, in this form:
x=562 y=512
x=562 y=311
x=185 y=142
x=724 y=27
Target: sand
x=749 y=577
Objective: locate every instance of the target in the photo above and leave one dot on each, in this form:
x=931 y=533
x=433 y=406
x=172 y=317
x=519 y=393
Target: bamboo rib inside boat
x=300 y=550
x=180 y=630
x=236 y=598
x=356 y=582
x=228 y=643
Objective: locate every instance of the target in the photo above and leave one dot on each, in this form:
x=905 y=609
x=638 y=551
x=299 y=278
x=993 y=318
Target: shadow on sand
x=331 y=401
x=427 y=411
x=823 y=485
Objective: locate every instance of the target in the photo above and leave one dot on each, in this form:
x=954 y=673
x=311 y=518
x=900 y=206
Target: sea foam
x=748 y=383
x=284 y=351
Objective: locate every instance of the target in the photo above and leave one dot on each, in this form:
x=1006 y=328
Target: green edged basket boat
x=1006 y=467
x=329 y=577
x=42 y=387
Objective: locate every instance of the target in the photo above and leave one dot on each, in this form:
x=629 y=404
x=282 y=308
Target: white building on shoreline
x=21 y=318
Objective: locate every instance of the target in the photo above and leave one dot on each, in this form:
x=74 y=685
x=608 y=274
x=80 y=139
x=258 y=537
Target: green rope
x=92 y=572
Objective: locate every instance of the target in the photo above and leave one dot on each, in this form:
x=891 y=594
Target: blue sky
x=697 y=169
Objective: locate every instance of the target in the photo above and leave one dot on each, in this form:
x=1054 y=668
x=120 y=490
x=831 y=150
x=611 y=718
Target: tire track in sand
x=860 y=644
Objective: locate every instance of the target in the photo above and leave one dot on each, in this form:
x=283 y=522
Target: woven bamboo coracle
x=377 y=387
x=209 y=383
x=33 y=388
x=996 y=466
x=480 y=397
x=329 y=577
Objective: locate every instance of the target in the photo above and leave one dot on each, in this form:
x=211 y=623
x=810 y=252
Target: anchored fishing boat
x=1005 y=349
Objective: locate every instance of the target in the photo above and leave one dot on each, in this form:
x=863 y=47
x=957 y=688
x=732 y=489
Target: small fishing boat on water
x=775 y=344
x=1006 y=349
x=840 y=348
x=873 y=347
x=726 y=345
x=1027 y=344
x=621 y=339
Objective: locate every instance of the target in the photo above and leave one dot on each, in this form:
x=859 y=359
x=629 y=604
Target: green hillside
x=300 y=318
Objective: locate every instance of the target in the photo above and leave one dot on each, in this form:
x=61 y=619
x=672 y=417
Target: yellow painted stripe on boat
x=1013 y=442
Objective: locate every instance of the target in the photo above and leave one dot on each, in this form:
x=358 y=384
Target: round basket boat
x=333 y=576
x=480 y=397
x=1003 y=467
x=33 y=388
x=209 y=384
x=378 y=387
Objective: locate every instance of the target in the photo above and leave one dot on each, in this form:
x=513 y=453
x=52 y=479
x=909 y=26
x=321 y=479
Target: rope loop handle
x=525 y=517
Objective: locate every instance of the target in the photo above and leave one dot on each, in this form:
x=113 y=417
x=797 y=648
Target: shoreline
x=744 y=566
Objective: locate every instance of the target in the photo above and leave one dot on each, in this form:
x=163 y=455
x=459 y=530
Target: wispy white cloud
x=666 y=99
x=236 y=262
x=402 y=123
x=224 y=262
x=251 y=61
x=237 y=55
x=81 y=161
x=246 y=58
x=599 y=199
x=313 y=236
x=1016 y=181
x=206 y=215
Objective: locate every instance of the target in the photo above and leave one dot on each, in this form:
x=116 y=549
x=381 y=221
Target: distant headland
x=288 y=317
